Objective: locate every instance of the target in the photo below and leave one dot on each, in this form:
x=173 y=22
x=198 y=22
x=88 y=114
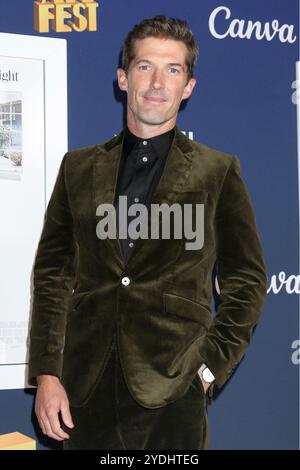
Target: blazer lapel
x=105 y=172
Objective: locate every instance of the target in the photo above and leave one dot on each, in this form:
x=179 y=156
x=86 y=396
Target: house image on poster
x=10 y=134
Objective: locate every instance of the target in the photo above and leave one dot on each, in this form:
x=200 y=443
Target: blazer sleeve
x=53 y=281
x=241 y=275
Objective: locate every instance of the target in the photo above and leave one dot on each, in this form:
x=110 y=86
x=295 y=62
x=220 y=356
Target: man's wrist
x=40 y=379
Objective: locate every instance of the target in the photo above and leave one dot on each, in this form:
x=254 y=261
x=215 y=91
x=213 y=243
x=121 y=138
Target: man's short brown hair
x=162 y=27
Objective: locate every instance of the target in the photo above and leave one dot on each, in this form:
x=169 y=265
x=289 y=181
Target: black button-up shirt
x=141 y=166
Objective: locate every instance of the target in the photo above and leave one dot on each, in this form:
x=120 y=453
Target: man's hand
x=51 y=398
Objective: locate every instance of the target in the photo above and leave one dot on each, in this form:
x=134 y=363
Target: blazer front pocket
x=187 y=309
x=77 y=298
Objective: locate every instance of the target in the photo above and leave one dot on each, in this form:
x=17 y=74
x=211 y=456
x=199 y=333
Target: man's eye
x=144 y=67
x=173 y=71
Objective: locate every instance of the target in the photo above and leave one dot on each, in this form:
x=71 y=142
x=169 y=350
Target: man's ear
x=122 y=79
x=189 y=88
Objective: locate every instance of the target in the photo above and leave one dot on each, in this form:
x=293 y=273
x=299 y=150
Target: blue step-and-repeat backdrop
x=244 y=103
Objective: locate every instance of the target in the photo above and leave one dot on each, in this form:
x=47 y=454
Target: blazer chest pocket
x=187 y=309
x=191 y=197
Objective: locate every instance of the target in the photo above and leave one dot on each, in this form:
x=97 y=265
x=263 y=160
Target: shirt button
x=145 y=142
x=131 y=244
x=145 y=159
x=136 y=199
x=125 y=281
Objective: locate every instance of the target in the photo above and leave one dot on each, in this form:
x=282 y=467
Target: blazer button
x=125 y=280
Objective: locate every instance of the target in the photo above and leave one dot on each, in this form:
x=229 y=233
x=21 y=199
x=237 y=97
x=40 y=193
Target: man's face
x=156 y=81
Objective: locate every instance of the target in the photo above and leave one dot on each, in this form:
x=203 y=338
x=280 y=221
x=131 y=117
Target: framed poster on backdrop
x=33 y=140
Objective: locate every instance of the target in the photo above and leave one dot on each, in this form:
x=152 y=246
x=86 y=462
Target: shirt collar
x=160 y=143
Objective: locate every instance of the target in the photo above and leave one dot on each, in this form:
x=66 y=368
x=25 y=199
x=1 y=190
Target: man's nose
x=158 y=79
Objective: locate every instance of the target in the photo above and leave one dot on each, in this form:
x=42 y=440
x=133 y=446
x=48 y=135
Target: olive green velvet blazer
x=163 y=318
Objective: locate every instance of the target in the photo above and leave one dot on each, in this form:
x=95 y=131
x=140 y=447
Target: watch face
x=207 y=375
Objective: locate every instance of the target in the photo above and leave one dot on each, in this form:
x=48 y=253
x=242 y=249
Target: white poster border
x=53 y=53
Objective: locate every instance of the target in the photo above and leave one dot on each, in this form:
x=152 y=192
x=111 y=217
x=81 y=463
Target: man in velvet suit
x=124 y=347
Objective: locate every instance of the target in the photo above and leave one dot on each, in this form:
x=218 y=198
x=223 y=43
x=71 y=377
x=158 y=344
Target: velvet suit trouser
x=113 y=420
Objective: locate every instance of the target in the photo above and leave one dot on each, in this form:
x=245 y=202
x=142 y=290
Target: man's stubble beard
x=147 y=118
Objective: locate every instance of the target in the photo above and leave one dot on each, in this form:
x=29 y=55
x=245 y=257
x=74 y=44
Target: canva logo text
x=221 y=25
